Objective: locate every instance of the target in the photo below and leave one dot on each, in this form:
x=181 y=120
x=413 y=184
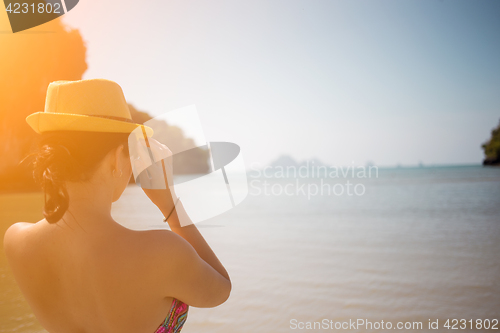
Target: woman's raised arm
x=199 y=277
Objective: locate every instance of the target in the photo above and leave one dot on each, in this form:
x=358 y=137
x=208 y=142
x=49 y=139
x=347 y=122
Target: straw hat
x=95 y=105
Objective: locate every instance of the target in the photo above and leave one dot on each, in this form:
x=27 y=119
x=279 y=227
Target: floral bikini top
x=175 y=319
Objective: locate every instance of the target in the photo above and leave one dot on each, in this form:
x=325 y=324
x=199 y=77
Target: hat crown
x=95 y=97
x=96 y=105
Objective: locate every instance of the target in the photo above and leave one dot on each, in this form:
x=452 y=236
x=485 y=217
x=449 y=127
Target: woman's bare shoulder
x=176 y=270
x=155 y=254
x=16 y=237
x=16 y=231
x=160 y=249
x=159 y=241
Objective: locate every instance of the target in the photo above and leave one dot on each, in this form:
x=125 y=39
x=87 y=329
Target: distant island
x=288 y=161
x=492 y=148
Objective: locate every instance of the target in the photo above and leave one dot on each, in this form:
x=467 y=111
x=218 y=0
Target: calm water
x=420 y=244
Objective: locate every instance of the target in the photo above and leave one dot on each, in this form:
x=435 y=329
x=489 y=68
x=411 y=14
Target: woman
x=79 y=270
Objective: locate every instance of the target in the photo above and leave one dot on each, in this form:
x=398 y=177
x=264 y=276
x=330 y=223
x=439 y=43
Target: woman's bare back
x=93 y=281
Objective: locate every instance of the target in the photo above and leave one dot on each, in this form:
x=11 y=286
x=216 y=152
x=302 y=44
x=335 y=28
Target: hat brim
x=42 y=122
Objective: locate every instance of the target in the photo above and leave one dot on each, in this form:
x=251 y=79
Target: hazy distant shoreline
x=4 y=191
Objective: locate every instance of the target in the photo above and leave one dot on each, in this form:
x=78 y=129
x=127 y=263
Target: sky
x=387 y=82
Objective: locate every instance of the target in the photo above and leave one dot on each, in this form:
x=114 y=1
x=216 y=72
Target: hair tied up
x=64 y=157
x=52 y=167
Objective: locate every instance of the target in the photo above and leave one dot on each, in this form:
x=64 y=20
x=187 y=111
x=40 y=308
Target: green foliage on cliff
x=492 y=148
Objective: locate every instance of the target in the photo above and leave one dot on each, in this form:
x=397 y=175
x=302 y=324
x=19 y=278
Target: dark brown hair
x=62 y=156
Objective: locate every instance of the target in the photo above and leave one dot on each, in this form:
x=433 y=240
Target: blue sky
x=392 y=82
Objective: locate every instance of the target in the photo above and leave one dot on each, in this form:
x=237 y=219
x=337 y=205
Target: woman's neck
x=89 y=205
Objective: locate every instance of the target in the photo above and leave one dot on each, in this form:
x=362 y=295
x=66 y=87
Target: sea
x=400 y=249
